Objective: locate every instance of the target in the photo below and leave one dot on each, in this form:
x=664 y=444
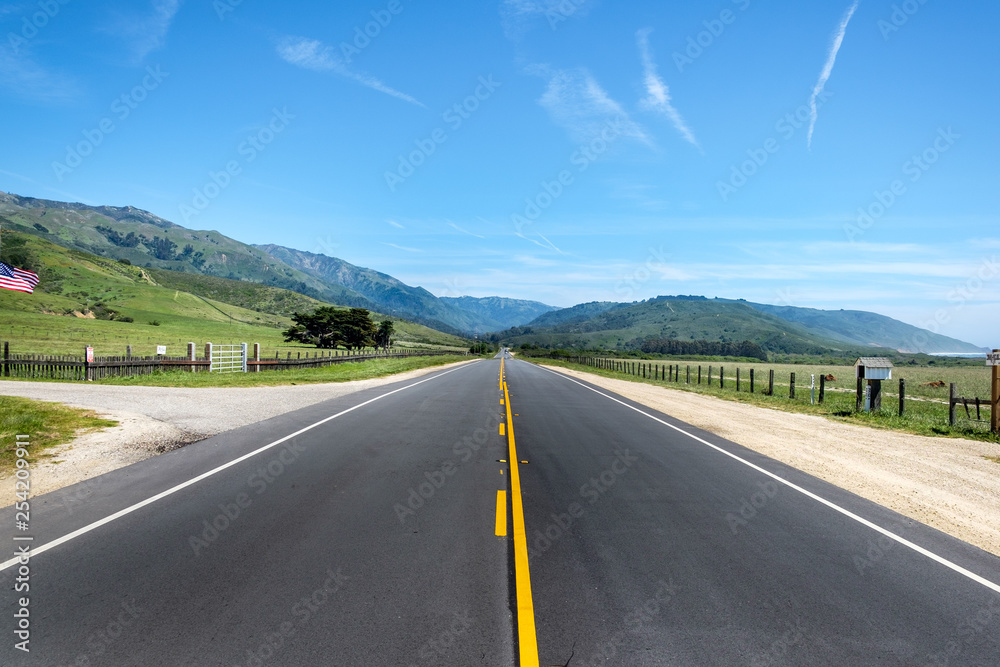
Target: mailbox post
x=870 y=371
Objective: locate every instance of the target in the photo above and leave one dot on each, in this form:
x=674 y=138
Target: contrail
x=828 y=68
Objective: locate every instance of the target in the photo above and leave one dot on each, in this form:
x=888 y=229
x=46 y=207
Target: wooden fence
x=77 y=368
x=702 y=374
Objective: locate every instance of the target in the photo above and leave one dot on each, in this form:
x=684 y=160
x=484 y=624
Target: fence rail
x=77 y=368
x=704 y=374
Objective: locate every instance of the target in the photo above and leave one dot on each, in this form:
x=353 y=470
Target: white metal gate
x=228 y=358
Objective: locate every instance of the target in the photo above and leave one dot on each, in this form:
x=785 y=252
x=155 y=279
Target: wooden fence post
x=699 y=373
x=902 y=396
x=751 y=380
x=952 y=403
x=995 y=398
x=737 y=379
x=791 y=386
x=822 y=388
x=688 y=379
x=191 y=357
x=6 y=357
x=128 y=351
x=770 y=382
x=722 y=377
x=709 y=376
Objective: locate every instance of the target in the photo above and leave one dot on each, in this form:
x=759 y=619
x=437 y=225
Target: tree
x=328 y=327
x=383 y=336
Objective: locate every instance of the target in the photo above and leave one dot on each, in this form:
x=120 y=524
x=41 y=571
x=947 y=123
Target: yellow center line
x=526 y=639
x=501 y=530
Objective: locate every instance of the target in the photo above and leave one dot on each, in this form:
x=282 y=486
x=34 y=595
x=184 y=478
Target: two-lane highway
x=364 y=531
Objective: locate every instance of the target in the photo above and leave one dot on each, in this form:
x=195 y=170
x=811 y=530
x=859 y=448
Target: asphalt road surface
x=365 y=531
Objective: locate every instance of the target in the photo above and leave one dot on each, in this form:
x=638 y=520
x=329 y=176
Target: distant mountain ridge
x=787 y=329
x=500 y=312
x=146 y=240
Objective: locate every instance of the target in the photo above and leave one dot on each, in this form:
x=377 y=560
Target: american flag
x=16 y=279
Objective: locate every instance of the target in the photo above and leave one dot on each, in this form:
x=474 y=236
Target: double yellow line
x=526 y=639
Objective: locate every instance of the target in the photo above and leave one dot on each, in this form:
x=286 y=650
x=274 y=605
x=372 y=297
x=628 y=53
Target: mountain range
x=146 y=240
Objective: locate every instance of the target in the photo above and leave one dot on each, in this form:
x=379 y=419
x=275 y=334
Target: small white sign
x=993 y=359
x=161 y=349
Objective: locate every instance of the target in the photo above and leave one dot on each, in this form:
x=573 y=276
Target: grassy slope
x=77 y=281
x=74 y=226
x=712 y=320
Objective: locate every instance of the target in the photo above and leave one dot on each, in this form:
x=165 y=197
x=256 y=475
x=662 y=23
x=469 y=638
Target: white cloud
x=519 y=16
x=824 y=75
x=147 y=33
x=404 y=248
x=21 y=75
x=658 y=98
x=577 y=102
x=313 y=55
x=464 y=231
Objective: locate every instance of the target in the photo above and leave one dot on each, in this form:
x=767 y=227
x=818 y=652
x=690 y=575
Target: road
x=363 y=531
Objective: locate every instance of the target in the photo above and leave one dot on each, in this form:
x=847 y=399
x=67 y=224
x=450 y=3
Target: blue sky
x=829 y=155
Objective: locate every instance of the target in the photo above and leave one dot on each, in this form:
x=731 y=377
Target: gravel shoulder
x=946 y=483
x=152 y=420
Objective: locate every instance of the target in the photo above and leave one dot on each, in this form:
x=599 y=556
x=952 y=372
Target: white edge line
x=915 y=547
x=128 y=510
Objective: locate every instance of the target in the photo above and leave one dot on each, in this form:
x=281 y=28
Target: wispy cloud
x=464 y=231
x=395 y=224
x=21 y=75
x=148 y=32
x=313 y=55
x=577 y=102
x=824 y=75
x=519 y=16
x=658 y=98
x=404 y=248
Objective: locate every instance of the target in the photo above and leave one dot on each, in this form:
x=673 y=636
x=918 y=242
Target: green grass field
x=927 y=416
x=46 y=424
x=73 y=283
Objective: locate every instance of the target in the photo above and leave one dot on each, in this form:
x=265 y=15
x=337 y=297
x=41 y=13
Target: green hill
x=625 y=327
x=84 y=299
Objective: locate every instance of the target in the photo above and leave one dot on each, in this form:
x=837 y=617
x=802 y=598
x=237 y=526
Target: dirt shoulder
x=152 y=420
x=942 y=482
